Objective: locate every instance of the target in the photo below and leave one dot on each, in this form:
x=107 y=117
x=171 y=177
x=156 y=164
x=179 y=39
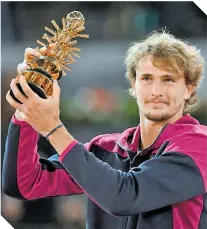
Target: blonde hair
x=171 y=54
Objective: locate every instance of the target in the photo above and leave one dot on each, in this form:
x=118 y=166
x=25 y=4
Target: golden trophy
x=44 y=69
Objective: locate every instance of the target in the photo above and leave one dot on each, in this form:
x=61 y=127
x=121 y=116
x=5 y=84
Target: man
x=151 y=176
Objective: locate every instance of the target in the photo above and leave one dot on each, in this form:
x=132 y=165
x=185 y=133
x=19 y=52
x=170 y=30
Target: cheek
x=141 y=95
x=138 y=90
x=176 y=95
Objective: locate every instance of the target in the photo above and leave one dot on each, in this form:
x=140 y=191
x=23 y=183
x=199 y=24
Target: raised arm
x=27 y=176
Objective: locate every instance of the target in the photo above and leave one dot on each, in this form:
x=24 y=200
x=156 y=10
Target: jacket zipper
x=127 y=150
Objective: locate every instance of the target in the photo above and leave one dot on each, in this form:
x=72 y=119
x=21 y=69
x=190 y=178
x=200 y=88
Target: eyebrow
x=162 y=76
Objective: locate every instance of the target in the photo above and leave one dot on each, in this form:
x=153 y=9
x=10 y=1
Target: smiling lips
x=157 y=102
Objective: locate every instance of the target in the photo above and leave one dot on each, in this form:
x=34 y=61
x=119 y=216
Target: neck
x=151 y=129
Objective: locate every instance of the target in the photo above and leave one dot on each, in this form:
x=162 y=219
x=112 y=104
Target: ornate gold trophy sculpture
x=45 y=69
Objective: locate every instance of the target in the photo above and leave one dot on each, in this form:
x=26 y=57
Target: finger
x=56 y=90
x=30 y=54
x=26 y=88
x=22 y=66
x=17 y=92
x=48 y=50
x=13 y=103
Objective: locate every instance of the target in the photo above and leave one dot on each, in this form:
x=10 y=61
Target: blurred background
x=94 y=97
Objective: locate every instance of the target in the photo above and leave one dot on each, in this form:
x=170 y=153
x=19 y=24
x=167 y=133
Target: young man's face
x=160 y=94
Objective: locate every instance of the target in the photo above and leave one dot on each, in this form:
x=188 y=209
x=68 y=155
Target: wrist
x=60 y=139
x=53 y=130
x=50 y=126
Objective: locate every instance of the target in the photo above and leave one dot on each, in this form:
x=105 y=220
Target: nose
x=156 y=89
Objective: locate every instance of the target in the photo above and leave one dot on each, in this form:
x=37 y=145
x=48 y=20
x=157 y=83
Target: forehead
x=147 y=65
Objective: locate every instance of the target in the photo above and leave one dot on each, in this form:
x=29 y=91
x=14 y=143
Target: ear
x=189 y=90
x=133 y=84
x=132 y=89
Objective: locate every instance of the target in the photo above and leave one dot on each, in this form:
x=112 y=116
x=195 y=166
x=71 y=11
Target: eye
x=146 y=78
x=168 y=80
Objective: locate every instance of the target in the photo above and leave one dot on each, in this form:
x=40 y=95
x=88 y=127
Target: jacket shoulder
x=108 y=141
x=200 y=130
x=193 y=138
x=104 y=140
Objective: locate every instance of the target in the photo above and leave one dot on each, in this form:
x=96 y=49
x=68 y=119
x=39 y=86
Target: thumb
x=56 y=89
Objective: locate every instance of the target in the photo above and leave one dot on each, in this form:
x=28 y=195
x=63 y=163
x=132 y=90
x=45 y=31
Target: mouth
x=156 y=101
x=157 y=104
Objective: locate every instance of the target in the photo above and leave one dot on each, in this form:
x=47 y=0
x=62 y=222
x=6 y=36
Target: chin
x=158 y=115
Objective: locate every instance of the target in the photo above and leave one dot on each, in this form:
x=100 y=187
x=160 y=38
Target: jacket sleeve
x=27 y=176
x=178 y=174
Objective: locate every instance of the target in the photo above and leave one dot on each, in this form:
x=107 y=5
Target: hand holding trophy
x=45 y=68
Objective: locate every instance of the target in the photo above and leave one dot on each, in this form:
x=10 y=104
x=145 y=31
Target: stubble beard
x=161 y=116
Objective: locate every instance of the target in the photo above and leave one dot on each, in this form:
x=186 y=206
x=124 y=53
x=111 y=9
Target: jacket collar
x=129 y=139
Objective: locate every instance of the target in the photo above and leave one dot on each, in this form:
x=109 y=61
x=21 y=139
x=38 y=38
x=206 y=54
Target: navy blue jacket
x=161 y=187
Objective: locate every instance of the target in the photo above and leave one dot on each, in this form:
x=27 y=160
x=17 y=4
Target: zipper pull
x=130 y=164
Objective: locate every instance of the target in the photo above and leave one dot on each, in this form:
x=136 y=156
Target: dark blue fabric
x=9 y=170
x=144 y=192
x=120 y=197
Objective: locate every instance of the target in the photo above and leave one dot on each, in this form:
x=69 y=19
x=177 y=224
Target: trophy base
x=39 y=81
